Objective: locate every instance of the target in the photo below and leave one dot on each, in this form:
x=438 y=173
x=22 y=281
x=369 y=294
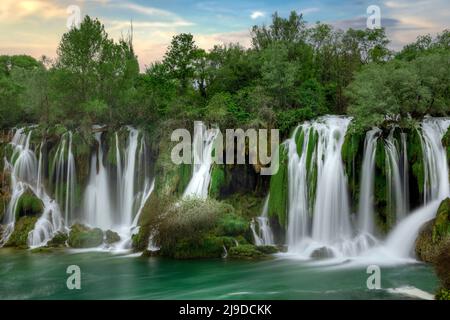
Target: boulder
x=81 y=236
x=111 y=237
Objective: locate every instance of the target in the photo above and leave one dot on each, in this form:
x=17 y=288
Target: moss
x=279 y=189
x=111 y=237
x=232 y=225
x=184 y=174
x=425 y=249
x=139 y=241
x=217 y=181
x=441 y=227
x=446 y=144
x=29 y=205
x=81 y=236
x=299 y=141
x=247 y=251
x=415 y=158
x=59 y=240
x=443 y=294
x=384 y=218
x=267 y=249
x=434 y=236
x=352 y=156
x=442 y=265
x=190 y=248
x=19 y=237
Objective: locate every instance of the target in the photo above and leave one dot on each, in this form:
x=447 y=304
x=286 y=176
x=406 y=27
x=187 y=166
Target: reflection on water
x=25 y=275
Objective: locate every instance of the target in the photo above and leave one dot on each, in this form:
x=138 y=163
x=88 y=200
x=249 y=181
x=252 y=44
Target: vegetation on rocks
x=22 y=227
x=81 y=236
x=278 y=190
x=29 y=205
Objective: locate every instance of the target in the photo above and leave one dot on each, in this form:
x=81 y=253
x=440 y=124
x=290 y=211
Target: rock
x=111 y=237
x=59 y=240
x=246 y=251
x=29 y=205
x=322 y=253
x=267 y=249
x=19 y=237
x=441 y=228
x=425 y=249
x=150 y=253
x=442 y=268
x=81 y=236
x=434 y=234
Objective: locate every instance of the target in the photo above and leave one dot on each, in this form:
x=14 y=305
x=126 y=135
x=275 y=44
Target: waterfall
x=128 y=179
x=202 y=160
x=97 y=202
x=26 y=175
x=401 y=240
x=264 y=236
x=319 y=215
x=365 y=213
x=65 y=176
x=298 y=185
x=396 y=160
x=331 y=221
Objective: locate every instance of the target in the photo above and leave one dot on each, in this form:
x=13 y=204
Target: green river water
x=26 y=275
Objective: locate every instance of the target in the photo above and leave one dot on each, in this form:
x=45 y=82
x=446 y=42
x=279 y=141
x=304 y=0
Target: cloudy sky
x=35 y=26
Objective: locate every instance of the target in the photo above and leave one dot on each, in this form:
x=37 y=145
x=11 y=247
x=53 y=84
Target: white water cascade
x=26 y=176
x=401 y=241
x=396 y=173
x=366 y=212
x=322 y=223
x=202 y=160
x=100 y=207
x=97 y=210
x=264 y=235
x=133 y=185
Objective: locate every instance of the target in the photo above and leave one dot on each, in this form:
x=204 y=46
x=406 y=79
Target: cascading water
x=365 y=213
x=400 y=242
x=298 y=209
x=396 y=172
x=264 y=235
x=65 y=177
x=98 y=211
x=99 y=208
x=322 y=223
x=26 y=176
x=202 y=160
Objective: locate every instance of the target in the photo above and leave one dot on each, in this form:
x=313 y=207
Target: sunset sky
x=35 y=26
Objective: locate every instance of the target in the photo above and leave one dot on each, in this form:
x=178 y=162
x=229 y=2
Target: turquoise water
x=26 y=275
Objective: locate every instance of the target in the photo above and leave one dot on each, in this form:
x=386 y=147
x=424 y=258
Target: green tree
x=180 y=57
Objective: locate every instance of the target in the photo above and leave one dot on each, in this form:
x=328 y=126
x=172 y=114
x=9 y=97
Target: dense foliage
x=292 y=72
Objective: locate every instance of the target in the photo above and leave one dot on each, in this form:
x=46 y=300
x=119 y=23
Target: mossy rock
x=81 y=236
x=59 y=240
x=29 y=205
x=22 y=227
x=434 y=235
x=442 y=265
x=267 y=249
x=425 y=249
x=246 y=251
x=279 y=190
x=111 y=237
x=190 y=248
x=441 y=228
x=139 y=241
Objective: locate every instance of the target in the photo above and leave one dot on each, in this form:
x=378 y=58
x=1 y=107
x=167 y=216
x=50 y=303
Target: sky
x=35 y=27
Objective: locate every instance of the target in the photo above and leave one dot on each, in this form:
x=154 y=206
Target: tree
x=180 y=57
x=94 y=68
